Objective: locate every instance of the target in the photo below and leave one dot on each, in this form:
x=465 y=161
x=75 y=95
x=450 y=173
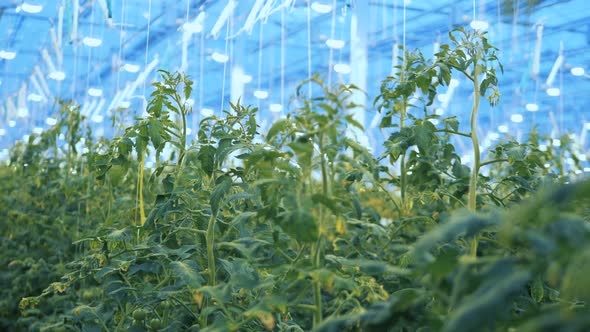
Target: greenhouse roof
x=104 y=54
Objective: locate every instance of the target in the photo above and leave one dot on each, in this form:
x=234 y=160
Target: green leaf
x=221 y=292
x=246 y=247
x=276 y=128
x=464 y=224
x=482 y=310
x=242 y=274
x=451 y=123
x=152 y=268
x=103 y=272
x=136 y=328
x=326 y=201
x=269 y=303
x=243 y=218
x=300 y=224
x=252 y=126
x=188 y=88
x=537 y=289
x=460 y=171
x=424 y=134
x=351 y=121
x=119 y=235
x=224 y=147
x=484 y=85
x=576 y=284
x=84 y=312
x=240 y=196
x=370 y=267
x=206 y=156
x=155 y=129
x=338 y=323
x=303 y=149
x=223 y=187
x=188 y=272
x=516 y=153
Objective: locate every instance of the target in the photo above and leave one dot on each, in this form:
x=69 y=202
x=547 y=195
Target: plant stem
x=389 y=195
x=183 y=137
x=403 y=161
x=210 y=254
x=492 y=162
x=317 y=288
x=453 y=132
x=317 y=249
x=472 y=203
x=323 y=170
x=142 y=217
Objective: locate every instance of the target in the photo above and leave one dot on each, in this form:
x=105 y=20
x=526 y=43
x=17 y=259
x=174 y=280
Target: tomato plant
x=299 y=228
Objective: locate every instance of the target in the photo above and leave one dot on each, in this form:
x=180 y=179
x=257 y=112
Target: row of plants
x=285 y=231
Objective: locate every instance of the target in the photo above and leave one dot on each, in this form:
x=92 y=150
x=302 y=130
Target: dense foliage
x=302 y=228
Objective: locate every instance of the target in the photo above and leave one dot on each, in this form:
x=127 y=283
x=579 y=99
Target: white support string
x=74 y=78
x=404 y=35
x=225 y=64
x=188 y=8
x=561 y=103
x=395 y=21
x=121 y=33
x=147 y=48
x=384 y=18
x=201 y=72
x=331 y=58
x=259 y=85
x=231 y=41
x=185 y=39
x=90 y=49
x=309 y=48
x=283 y=36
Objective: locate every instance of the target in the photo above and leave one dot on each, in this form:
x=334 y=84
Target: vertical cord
x=561 y=91
x=514 y=30
x=309 y=48
x=342 y=37
x=283 y=34
x=515 y=50
x=384 y=18
x=395 y=21
x=194 y=114
x=231 y=23
x=331 y=59
x=404 y=35
x=185 y=40
x=499 y=25
x=186 y=22
x=147 y=48
x=188 y=8
x=201 y=72
x=224 y=66
x=141 y=158
x=90 y=49
x=259 y=60
x=473 y=19
x=75 y=75
x=121 y=32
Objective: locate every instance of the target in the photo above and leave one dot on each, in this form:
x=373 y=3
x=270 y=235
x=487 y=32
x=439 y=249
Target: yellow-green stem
x=317 y=249
x=472 y=203
x=182 y=139
x=210 y=254
x=142 y=217
x=403 y=179
x=317 y=287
